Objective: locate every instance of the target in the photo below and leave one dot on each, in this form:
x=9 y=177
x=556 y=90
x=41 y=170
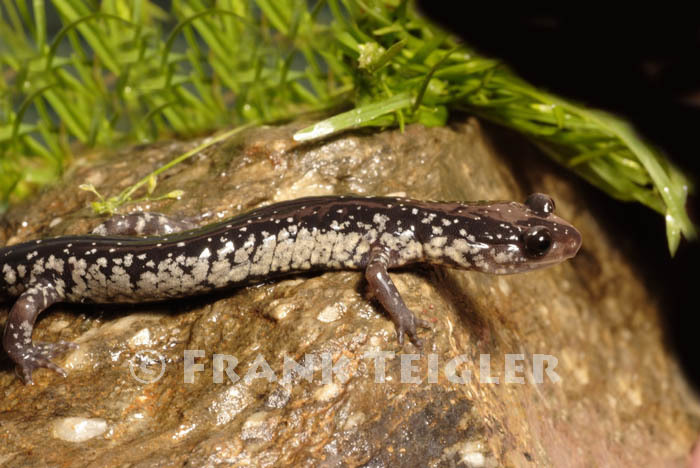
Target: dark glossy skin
x=373 y=234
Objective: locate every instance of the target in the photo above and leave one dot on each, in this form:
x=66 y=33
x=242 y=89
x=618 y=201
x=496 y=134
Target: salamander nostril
x=574 y=243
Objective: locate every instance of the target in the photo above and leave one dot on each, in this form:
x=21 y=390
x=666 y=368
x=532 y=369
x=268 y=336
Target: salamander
x=145 y=257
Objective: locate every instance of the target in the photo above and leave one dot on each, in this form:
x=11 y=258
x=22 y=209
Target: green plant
x=113 y=75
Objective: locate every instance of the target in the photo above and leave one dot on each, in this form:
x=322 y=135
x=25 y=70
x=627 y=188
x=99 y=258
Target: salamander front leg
x=17 y=339
x=385 y=291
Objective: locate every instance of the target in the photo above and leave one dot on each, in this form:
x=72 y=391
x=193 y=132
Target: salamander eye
x=537 y=241
x=540 y=203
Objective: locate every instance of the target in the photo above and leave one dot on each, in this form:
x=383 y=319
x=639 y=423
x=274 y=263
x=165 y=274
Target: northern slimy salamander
x=116 y=264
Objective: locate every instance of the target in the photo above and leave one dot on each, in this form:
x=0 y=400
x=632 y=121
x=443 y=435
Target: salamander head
x=508 y=237
x=524 y=237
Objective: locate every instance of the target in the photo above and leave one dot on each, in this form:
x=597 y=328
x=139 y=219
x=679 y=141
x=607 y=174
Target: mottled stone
x=614 y=397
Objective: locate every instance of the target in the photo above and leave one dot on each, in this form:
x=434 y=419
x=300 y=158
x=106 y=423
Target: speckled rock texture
x=615 y=396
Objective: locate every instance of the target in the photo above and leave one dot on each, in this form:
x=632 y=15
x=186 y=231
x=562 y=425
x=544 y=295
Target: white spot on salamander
x=225 y=250
x=55 y=264
x=10 y=276
x=380 y=221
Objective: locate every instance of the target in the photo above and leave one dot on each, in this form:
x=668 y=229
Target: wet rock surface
x=615 y=396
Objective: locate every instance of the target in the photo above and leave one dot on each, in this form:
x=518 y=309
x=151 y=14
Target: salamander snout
x=572 y=243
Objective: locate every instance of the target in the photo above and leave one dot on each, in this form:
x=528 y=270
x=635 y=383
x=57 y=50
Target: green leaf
x=353 y=118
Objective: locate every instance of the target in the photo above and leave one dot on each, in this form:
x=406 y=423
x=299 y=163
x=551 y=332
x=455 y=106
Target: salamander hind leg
x=142 y=224
x=17 y=339
x=385 y=291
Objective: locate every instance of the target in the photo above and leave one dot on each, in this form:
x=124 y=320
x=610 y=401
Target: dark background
x=642 y=63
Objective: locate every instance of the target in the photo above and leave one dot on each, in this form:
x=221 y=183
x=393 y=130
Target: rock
x=78 y=429
x=307 y=371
